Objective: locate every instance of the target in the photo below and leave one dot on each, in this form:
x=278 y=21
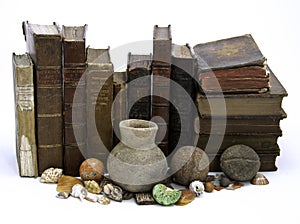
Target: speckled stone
x=190 y=163
x=92 y=169
x=240 y=162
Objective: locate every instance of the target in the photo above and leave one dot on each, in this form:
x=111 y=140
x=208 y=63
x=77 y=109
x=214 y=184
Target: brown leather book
x=44 y=44
x=139 y=86
x=74 y=109
x=26 y=149
x=119 y=108
x=257 y=104
x=161 y=70
x=232 y=65
x=182 y=95
x=99 y=98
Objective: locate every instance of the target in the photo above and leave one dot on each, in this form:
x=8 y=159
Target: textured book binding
x=74 y=57
x=182 y=109
x=25 y=115
x=119 y=109
x=99 y=90
x=139 y=86
x=44 y=44
x=161 y=70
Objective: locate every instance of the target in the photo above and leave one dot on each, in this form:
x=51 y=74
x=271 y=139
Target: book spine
x=181 y=120
x=119 y=104
x=26 y=148
x=74 y=112
x=99 y=90
x=139 y=93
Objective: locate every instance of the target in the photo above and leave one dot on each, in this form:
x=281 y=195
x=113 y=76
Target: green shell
x=164 y=195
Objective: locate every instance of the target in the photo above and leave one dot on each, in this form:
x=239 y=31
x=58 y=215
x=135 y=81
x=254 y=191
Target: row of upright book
x=69 y=100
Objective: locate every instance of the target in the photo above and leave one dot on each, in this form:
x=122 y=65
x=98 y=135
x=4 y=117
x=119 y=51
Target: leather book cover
x=139 y=86
x=99 y=99
x=74 y=57
x=247 y=104
x=44 y=44
x=26 y=149
x=162 y=45
x=119 y=108
x=182 y=118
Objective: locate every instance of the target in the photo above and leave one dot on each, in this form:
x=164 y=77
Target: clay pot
x=136 y=163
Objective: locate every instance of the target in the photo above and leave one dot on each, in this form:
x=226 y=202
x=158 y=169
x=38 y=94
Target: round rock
x=189 y=163
x=240 y=162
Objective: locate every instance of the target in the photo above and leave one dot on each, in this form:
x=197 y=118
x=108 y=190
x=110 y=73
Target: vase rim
x=138 y=124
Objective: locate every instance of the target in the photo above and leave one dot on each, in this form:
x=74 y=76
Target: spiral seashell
x=51 y=175
x=113 y=192
x=93 y=187
x=197 y=187
x=259 y=179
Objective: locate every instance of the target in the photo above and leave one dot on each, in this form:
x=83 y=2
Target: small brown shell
x=259 y=179
x=209 y=187
x=65 y=183
x=93 y=187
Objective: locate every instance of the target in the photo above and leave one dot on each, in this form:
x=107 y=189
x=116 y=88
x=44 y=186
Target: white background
x=275 y=27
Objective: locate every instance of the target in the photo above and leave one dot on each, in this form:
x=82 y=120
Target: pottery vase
x=137 y=163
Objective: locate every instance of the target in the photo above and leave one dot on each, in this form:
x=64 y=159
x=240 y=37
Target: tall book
x=74 y=108
x=119 y=108
x=232 y=65
x=25 y=115
x=99 y=98
x=161 y=73
x=182 y=94
x=44 y=44
x=139 y=86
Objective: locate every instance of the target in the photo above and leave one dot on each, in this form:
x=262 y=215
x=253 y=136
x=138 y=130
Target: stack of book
x=242 y=105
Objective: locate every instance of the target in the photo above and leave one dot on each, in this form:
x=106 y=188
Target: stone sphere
x=189 y=163
x=240 y=162
x=92 y=169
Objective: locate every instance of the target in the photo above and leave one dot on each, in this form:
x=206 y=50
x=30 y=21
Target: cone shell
x=259 y=179
x=93 y=187
x=51 y=175
x=65 y=184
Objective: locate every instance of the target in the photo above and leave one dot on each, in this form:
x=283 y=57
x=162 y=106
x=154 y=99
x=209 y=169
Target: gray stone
x=189 y=163
x=240 y=162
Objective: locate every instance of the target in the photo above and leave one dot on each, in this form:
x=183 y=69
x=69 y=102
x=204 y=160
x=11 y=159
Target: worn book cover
x=74 y=109
x=182 y=95
x=119 y=108
x=44 y=44
x=232 y=65
x=258 y=104
x=139 y=86
x=99 y=99
x=26 y=149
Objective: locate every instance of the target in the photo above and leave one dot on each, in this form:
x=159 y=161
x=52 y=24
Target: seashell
x=186 y=197
x=92 y=187
x=234 y=185
x=197 y=187
x=78 y=191
x=91 y=197
x=259 y=179
x=127 y=195
x=113 y=192
x=63 y=195
x=65 y=183
x=164 y=195
x=144 y=199
x=51 y=175
x=209 y=187
x=103 y=200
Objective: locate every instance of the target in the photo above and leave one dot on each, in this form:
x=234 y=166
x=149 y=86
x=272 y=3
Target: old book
x=119 y=108
x=74 y=57
x=232 y=65
x=161 y=70
x=139 y=86
x=99 y=98
x=182 y=94
x=258 y=104
x=44 y=44
x=239 y=124
x=26 y=149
